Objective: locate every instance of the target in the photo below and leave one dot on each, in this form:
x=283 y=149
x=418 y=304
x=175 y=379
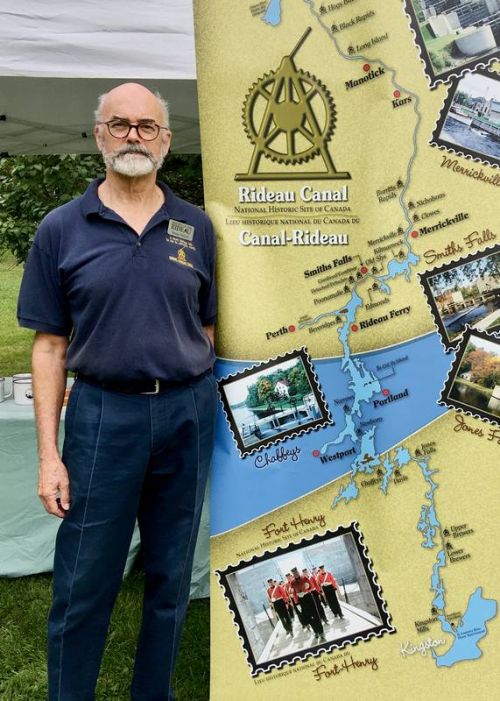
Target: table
x=27 y=531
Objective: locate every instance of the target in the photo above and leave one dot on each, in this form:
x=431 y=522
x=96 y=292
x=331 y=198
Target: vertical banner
x=351 y=154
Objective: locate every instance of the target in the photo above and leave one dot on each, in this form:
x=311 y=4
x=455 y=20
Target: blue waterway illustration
x=401 y=367
x=469 y=632
x=272 y=14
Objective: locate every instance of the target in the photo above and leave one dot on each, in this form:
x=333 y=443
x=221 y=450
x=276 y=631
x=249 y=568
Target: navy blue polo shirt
x=133 y=306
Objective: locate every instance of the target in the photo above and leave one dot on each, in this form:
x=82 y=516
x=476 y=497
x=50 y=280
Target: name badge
x=180 y=230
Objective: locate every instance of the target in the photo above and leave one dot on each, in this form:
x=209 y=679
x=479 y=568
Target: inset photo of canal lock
x=474 y=381
x=272 y=401
x=470 y=119
x=465 y=293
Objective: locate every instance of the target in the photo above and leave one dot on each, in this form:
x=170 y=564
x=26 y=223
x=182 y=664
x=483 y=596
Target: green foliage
x=31 y=186
x=264 y=388
x=184 y=175
x=437 y=60
x=252 y=397
x=463 y=98
x=15 y=349
x=298 y=380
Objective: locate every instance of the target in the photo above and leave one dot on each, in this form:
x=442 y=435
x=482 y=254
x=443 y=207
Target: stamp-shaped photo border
x=424 y=279
x=376 y=631
x=458 y=149
x=324 y=420
x=452 y=403
x=455 y=72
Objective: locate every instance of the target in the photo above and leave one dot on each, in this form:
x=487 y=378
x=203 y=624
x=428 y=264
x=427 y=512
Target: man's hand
x=53 y=486
x=49 y=383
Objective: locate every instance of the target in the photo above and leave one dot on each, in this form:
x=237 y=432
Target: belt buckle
x=156 y=389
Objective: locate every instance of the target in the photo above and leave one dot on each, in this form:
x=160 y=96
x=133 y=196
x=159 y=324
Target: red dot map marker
x=396 y=93
x=414 y=234
x=354 y=327
x=291 y=328
x=316 y=453
x=366 y=67
x=386 y=392
x=364 y=269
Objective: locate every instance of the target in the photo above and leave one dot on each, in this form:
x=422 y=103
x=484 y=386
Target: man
x=316 y=590
x=294 y=599
x=303 y=587
x=329 y=586
x=318 y=594
x=119 y=287
x=278 y=599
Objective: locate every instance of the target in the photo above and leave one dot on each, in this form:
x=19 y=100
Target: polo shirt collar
x=172 y=208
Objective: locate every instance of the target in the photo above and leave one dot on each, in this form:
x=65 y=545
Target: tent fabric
x=57 y=58
x=92 y=39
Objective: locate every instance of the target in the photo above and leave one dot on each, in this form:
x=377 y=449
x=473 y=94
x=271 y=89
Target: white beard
x=132 y=164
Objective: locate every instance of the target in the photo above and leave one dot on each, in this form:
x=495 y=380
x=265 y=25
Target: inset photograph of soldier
x=305 y=598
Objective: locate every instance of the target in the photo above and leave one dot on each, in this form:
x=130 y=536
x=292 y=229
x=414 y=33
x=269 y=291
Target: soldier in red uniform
x=303 y=587
x=294 y=599
x=279 y=601
x=329 y=586
x=316 y=592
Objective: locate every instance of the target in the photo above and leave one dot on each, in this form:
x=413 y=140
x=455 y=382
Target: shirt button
x=138 y=244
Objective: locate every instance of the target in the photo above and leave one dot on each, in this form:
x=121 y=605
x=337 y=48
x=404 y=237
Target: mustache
x=134 y=148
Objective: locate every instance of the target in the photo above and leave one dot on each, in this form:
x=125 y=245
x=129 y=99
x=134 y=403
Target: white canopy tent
x=57 y=57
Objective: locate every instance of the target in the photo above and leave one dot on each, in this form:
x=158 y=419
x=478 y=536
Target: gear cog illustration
x=289 y=116
x=281 y=108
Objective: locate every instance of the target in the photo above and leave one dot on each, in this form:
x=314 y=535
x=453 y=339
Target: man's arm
x=49 y=384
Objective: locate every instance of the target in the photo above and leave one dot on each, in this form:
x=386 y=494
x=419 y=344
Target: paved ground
x=279 y=644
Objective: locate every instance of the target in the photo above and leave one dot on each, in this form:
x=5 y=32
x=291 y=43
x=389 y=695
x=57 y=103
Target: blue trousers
x=128 y=457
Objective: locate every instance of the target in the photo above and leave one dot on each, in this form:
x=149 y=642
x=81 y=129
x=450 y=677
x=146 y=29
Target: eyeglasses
x=120 y=129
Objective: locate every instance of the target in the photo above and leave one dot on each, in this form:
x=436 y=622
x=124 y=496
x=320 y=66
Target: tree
x=484 y=367
x=436 y=60
x=252 y=398
x=30 y=186
x=298 y=380
x=265 y=389
x=462 y=98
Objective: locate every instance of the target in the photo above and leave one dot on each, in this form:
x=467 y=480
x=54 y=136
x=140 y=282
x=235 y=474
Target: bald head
x=125 y=133
x=132 y=95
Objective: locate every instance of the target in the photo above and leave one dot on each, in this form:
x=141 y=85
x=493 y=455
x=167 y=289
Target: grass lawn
x=24 y=605
x=15 y=348
x=24 y=602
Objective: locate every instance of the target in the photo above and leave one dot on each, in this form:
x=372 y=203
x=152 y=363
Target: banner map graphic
x=351 y=154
